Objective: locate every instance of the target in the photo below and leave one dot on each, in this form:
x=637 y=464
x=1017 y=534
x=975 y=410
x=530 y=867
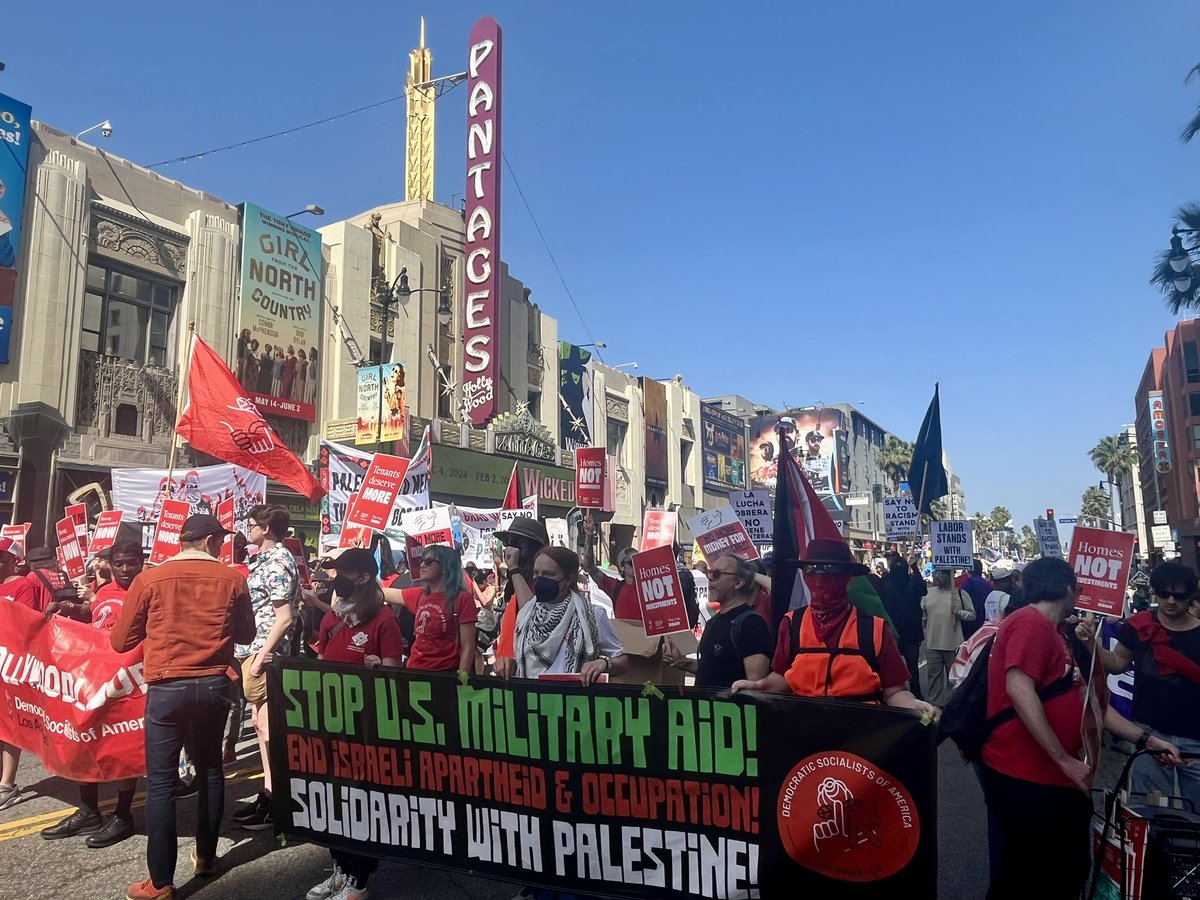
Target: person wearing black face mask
x=522 y=540
x=562 y=632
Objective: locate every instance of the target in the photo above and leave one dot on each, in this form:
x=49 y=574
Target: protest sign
x=225 y=512
x=658 y=529
x=353 y=535
x=139 y=493
x=1102 y=561
x=19 y=534
x=342 y=470
x=753 y=509
x=900 y=517
x=69 y=698
x=660 y=594
x=591 y=469
x=166 y=535
x=606 y=791
x=108 y=525
x=719 y=532
x=1047 y=538
x=558 y=532
x=77 y=513
x=953 y=546
x=430 y=526
x=483 y=522
x=68 y=544
x=377 y=495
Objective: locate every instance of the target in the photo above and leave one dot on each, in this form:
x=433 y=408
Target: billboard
x=14 y=160
x=381 y=396
x=279 y=314
x=654 y=405
x=815 y=446
x=1159 y=438
x=576 y=408
x=723 y=442
x=481 y=353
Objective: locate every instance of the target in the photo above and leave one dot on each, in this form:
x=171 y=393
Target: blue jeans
x=1148 y=776
x=184 y=713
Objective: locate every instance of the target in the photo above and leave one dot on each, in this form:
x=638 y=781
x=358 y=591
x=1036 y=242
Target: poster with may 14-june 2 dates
x=603 y=790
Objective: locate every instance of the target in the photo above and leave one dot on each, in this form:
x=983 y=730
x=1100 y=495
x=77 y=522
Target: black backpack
x=58 y=583
x=965 y=720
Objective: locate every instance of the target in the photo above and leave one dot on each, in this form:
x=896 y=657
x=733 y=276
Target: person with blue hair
x=445 y=615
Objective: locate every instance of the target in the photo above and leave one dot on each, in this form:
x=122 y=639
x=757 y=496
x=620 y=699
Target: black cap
x=41 y=555
x=354 y=559
x=200 y=526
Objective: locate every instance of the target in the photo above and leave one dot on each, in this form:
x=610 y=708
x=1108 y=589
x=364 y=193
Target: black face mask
x=343 y=586
x=546 y=589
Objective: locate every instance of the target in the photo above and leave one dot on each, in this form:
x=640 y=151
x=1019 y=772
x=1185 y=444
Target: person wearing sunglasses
x=1164 y=646
x=445 y=615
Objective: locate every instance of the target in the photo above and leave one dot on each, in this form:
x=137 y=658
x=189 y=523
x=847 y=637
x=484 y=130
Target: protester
x=47 y=580
x=560 y=632
x=977 y=588
x=187 y=613
x=622 y=591
x=944 y=608
x=444 y=632
x=523 y=540
x=830 y=648
x=237 y=710
x=970 y=649
x=1164 y=647
x=1004 y=590
x=124 y=563
x=359 y=630
x=902 y=594
x=1034 y=780
x=687 y=584
x=15 y=589
x=736 y=643
x=274 y=592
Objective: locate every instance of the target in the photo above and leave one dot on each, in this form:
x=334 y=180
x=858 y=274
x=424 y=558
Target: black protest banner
x=603 y=790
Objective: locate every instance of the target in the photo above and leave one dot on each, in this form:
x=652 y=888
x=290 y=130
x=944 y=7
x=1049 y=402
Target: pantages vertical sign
x=481 y=359
x=1158 y=432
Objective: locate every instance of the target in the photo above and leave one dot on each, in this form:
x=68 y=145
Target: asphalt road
x=254 y=865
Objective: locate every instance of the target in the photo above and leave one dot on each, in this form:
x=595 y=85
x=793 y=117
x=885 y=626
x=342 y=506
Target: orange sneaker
x=204 y=867
x=145 y=890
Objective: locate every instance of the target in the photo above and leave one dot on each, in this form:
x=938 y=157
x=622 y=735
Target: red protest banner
x=69 y=698
x=107 y=525
x=591 y=465
x=68 y=544
x=377 y=493
x=350 y=535
x=658 y=529
x=660 y=594
x=297 y=549
x=1102 y=561
x=19 y=534
x=427 y=527
x=77 y=513
x=166 y=535
x=225 y=515
x=719 y=532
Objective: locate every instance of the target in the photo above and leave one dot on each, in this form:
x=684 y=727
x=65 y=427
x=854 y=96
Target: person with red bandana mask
x=831 y=648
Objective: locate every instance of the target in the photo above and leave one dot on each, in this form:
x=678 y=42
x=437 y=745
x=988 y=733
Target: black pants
x=1044 y=839
x=357 y=868
x=912 y=658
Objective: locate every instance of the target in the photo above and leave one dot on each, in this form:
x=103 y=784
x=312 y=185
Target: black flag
x=927 y=475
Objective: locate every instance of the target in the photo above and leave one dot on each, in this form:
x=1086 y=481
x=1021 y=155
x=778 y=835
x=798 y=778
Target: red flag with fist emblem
x=221 y=420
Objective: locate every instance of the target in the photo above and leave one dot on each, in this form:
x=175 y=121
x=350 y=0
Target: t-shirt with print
x=722 y=660
x=19 y=590
x=1167 y=703
x=106 y=605
x=436 y=647
x=1028 y=641
x=353 y=643
x=273 y=578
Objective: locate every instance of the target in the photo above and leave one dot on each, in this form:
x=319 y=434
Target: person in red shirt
x=45 y=578
x=16 y=589
x=1034 y=781
x=444 y=632
x=623 y=592
x=358 y=630
x=124 y=563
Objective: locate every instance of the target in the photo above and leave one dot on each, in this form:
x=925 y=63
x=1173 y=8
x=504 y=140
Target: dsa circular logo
x=847 y=819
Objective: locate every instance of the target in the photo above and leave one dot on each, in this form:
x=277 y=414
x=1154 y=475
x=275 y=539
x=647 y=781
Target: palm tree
x=1115 y=456
x=894 y=458
x=1187 y=218
x=1096 y=506
x=982 y=527
x=1192 y=128
x=1030 y=547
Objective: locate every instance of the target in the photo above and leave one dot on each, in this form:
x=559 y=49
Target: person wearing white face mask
x=560 y=632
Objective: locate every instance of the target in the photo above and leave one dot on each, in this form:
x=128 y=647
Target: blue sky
x=791 y=201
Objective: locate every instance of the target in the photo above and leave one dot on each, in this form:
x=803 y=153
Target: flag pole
x=183 y=377
x=920 y=503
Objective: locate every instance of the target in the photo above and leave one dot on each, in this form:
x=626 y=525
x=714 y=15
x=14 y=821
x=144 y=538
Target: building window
x=128 y=316
x=1193 y=405
x=685 y=458
x=535 y=405
x=1196 y=437
x=1191 y=362
x=125 y=422
x=444 y=394
x=616 y=439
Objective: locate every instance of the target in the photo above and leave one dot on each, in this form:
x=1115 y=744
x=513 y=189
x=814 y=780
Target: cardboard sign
x=953 y=545
x=68 y=544
x=107 y=527
x=1047 y=536
x=658 y=529
x=900 y=517
x=719 y=532
x=591 y=470
x=378 y=491
x=225 y=515
x=1102 y=562
x=166 y=534
x=297 y=548
x=19 y=534
x=660 y=593
x=558 y=532
x=430 y=526
x=77 y=513
x=352 y=535
x=753 y=509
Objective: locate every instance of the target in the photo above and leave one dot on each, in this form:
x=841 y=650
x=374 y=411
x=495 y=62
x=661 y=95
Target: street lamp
x=401 y=288
x=1180 y=262
x=599 y=345
x=631 y=365
x=311 y=209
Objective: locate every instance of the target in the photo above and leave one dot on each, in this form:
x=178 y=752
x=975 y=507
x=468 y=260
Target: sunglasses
x=714 y=574
x=429 y=561
x=1174 y=595
x=825 y=569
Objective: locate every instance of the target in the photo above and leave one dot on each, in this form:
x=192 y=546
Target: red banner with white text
x=67 y=696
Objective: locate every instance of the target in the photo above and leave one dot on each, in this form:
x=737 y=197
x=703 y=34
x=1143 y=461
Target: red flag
x=221 y=420
x=512 y=497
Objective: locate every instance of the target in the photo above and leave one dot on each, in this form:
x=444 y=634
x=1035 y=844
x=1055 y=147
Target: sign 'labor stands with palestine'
x=953 y=546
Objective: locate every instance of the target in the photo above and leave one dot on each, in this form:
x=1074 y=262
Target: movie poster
x=815 y=446
x=576 y=408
